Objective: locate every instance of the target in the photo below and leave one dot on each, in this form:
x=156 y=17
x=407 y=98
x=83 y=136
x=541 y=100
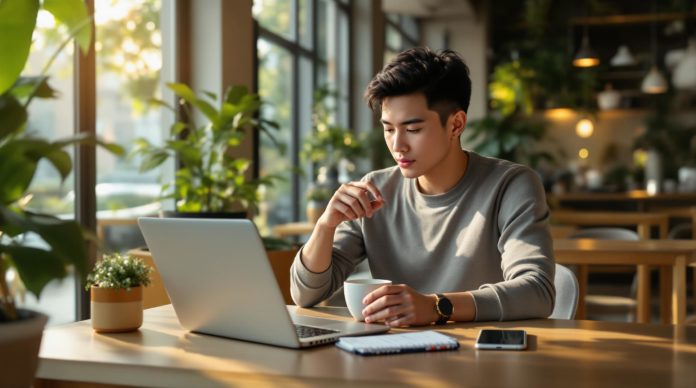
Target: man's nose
x=399 y=142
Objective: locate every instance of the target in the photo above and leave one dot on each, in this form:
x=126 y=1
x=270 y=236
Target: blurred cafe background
x=598 y=96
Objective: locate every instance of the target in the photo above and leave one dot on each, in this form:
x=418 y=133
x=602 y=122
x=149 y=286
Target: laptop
x=220 y=282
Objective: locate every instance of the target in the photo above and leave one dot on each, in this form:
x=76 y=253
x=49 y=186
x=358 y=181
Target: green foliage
x=21 y=153
x=210 y=178
x=17 y=21
x=510 y=88
x=511 y=137
x=318 y=193
x=330 y=143
x=119 y=271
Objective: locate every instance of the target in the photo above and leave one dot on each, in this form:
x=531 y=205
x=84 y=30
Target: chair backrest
x=606 y=234
x=681 y=231
x=567 y=293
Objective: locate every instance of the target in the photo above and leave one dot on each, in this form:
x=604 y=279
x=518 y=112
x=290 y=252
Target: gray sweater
x=488 y=235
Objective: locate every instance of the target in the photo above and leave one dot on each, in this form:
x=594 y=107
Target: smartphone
x=502 y=339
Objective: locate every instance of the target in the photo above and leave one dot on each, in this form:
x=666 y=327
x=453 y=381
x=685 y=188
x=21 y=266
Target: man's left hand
x=399 y=305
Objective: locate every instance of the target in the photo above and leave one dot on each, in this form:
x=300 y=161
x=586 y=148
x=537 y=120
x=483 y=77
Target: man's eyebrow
x=414 y=120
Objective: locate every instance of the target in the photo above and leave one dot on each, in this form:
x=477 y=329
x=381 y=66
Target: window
x=129 y=45
x=130 y=40
x=401 y=32
x=302 y=45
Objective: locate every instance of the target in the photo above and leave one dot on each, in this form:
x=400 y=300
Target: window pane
x=129 y=66
x=305 y=23
x=410 y=26
x=394 y=39
x=51 y=119
x=323 y=26
x=275 y=87
x=275 y=15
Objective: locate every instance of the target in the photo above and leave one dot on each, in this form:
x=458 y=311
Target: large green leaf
x=36 y=267
x=12 y=115
x=17 y=21
x=25 y=86
x=65 y=238
x=74 y=14
x=16 y=171
x=189 y=96
x=61 y=161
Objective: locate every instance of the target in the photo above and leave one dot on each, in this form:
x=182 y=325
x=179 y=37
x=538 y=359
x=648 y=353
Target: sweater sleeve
x=526 y=251
x=308 y=288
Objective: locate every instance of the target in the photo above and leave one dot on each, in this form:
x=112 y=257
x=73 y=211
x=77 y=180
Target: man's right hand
x=351 y=201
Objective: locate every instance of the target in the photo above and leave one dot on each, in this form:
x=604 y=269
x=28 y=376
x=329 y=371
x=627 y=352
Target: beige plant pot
x=116 y=310
x=19 y=349
x=314 y=210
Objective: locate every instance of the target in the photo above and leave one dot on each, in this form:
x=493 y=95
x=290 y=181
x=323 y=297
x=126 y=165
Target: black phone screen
x=502 y=337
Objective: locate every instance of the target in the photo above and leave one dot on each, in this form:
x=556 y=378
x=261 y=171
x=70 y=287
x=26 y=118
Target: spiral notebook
x=422 y=341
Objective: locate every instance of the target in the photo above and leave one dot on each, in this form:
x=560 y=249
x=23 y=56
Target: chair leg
x=581 y=312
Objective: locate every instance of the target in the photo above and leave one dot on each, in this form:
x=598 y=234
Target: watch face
x=445 y=306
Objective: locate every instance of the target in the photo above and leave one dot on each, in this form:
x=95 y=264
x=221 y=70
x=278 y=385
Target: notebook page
x=428 y=340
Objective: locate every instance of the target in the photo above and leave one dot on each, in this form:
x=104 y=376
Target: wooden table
x=292 y=229
x=640 y=200
x=561 y=353
x=673 y=255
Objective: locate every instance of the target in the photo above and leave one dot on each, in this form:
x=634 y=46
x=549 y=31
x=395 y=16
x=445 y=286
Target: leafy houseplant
x=330 y=145
x=115 y=286
x=317 y=199
x=209 y=178
x=119 y=271
x=511 y=137
x=20 y=153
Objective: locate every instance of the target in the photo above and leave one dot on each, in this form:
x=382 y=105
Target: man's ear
x=458 y=123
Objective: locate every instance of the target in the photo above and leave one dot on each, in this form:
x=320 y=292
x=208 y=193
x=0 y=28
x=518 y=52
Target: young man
x=463 y=237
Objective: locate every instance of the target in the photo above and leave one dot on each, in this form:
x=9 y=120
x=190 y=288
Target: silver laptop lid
x=219 y=279
x=220 y=282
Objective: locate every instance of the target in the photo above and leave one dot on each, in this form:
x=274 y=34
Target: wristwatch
x=443 y=307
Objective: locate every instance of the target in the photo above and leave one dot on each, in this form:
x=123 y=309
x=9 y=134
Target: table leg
x=666 y=294
x=679 y=291
x=643 y=308
x=581 y=312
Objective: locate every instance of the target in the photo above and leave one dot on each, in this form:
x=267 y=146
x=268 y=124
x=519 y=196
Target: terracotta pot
x=20 y=341
x=116 y=310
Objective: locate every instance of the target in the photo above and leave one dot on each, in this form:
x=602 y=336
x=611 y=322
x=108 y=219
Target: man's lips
x=405 y=162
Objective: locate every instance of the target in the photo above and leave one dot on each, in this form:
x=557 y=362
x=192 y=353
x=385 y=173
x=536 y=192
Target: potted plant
x=329 y=148
x=209 y=178
x=318 y=197
x=116 y=289
x=20 y=153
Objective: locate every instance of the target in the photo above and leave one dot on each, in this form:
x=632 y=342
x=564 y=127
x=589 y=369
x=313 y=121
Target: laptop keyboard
x=309 y=331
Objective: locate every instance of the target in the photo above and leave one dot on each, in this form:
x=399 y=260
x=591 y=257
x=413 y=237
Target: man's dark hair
x=442 y=77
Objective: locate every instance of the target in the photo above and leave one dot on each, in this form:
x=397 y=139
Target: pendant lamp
x=586 y=56
x=623 y=57
x=655 y=82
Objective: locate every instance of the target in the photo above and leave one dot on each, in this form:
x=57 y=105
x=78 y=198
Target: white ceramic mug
x=355 y=290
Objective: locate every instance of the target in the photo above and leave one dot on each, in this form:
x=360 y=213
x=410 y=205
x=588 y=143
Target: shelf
x=632 y=19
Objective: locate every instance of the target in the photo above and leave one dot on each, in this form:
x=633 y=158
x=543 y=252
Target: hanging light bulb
x=654 y=82
x=584 y=128
x=586 y=56
x=623 y=57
